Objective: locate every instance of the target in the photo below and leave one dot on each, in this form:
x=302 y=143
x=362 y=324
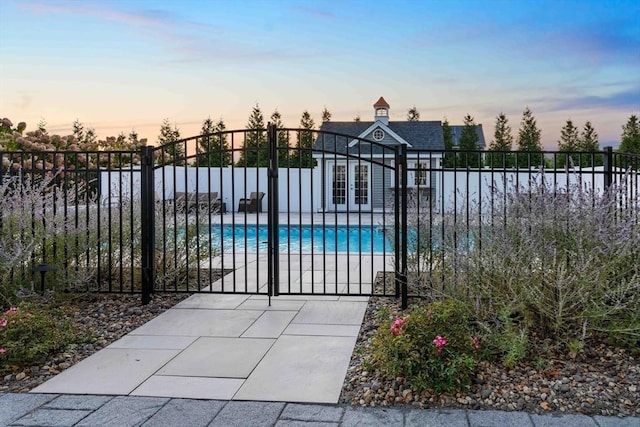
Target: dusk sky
x=118 y=65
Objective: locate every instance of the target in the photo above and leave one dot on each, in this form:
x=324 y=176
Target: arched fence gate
x=274 y=211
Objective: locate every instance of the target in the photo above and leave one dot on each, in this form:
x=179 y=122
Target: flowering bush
x=28 y=333
x=434 y=347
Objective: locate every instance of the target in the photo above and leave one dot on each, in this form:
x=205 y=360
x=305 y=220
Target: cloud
x=313 y=12
x=594 y=45
x=624 y=100
x=23 y=101
x=186 y=41
x=139 y=18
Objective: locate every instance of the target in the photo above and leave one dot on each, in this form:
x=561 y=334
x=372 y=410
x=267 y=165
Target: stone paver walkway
x=231 y=347
x=128 y=411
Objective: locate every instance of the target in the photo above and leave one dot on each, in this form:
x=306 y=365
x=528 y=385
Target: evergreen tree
x=630 y=138
x=529 y=141
x=283 y=140
x=78 y=130
x=630 y=141
x=589 y=142
x=254 y=153
x=90 y=137
x=413 y=115
x=468 y=142
x=569 y=142
x=42 y=126
x=502 y=141
x=132 y=139
x=302 y=156
x=449 y=160
x=213 y=149
x=85 y=138
x=167 y=139
x=326 y=115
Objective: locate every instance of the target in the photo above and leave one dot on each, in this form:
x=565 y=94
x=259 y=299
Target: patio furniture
x=252 y=204
x=193 y=201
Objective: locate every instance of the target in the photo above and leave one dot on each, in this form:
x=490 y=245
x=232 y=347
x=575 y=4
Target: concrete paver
x=199 y=323
x=439 y=418
x=110 y=371
x=82 y=402
x=53 y=417
x=550 y=420
x=237 y=414
x=499 y=418
x=218 y=358
x=124 y=412
x=213 y=301
x=153 y=342
x=270 y=324
x=321 y=413
x=326 y=330
x=316 y=375
x=373 y=417
x=14 y=406
x=331 y=313
x=189 y=387
x=179 y=412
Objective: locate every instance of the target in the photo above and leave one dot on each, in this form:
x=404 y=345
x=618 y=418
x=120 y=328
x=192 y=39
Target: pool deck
x=331 y=218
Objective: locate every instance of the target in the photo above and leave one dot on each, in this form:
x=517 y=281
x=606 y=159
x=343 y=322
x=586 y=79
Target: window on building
x=421 y=174
x=378 y=134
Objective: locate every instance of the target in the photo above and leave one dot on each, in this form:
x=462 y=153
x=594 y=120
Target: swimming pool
x=303 y=238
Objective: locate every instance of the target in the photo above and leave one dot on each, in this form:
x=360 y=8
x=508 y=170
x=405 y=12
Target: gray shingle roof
x=421 y=135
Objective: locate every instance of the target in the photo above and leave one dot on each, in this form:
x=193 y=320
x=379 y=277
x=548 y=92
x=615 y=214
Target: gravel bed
x=104 y=318
x=601 y=381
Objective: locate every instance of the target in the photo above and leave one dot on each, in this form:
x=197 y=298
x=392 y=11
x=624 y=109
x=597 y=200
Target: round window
x=378 y=134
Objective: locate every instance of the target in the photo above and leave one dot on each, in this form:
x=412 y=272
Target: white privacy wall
x=299 y=189
x=453 y=186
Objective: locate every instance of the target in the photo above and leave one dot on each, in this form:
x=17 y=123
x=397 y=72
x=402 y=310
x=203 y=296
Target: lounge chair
x=252 y=204
x=195 y=201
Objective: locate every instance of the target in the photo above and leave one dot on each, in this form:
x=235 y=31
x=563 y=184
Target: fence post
x=402 y=274
x=272 y=215
x=397 y=220
x=608 y=167
x=147 y=219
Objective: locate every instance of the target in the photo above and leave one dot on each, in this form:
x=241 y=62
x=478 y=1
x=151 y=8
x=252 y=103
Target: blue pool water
x=303 y=238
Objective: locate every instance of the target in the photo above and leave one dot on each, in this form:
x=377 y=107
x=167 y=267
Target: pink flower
x=3 y=322
x=2 y=350
x=439 y=342
x=476 y=342
x=11 y=312
x=397 y=325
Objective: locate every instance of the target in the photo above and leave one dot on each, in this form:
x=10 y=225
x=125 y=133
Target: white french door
x=359 y=186
x=348 y=186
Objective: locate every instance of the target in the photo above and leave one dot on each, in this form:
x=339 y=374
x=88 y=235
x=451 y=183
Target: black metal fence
x=280 y=211
x=63 y=217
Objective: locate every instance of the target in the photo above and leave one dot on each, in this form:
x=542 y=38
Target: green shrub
x=29 y=333
x=433 y=347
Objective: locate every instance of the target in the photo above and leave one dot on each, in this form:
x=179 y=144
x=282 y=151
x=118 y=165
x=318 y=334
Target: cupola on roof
x=381 y=103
